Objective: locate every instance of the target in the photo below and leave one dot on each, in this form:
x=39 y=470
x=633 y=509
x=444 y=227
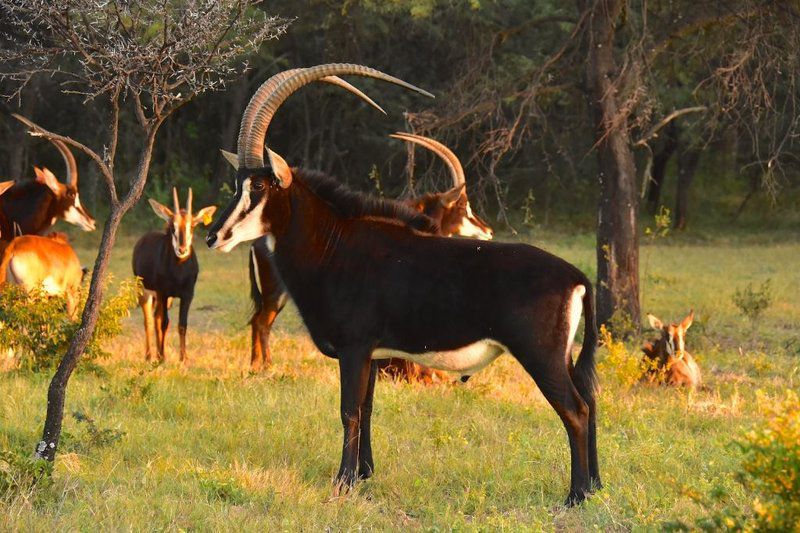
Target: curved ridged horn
x=271 y=84
x=447 y=155
x=189 y=203
x=69 y=161
x=176 y=205
x=259 y=112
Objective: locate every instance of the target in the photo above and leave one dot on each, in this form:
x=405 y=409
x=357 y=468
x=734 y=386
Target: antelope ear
x=280 y=168
x=5 y=185
x=161 y=211
x=45 y=177
x=204 y=215
x=655 y=322
x=448 y=198
x=231 y=158
x=686 y=322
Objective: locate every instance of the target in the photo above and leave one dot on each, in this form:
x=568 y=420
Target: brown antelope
x=451 y=212
x=45 y=263
x=167 y=265
x=666 y=356
x=34 y=206
x=372 y=288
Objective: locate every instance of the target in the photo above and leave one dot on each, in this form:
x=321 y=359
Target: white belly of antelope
x=465 y=361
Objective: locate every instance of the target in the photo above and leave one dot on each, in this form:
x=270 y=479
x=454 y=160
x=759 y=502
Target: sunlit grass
x=213 y=447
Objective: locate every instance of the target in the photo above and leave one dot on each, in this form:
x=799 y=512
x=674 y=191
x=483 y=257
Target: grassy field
x=213 y=447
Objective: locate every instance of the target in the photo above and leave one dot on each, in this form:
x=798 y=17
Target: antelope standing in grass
x=666 y=356
x=168 y=267
x=46 y=263
x=34 y=206
x=370 y=288
x=453 y=216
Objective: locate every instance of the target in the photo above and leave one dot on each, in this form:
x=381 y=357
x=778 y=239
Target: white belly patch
x=466 y=361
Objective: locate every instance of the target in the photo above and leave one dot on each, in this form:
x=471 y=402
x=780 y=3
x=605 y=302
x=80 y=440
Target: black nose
x=211 y=238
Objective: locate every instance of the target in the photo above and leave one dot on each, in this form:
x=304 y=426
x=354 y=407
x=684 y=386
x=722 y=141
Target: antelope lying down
x=451 y=212
x=34 y=206
x=666 y=356
x=370 y=288
x=168 y=267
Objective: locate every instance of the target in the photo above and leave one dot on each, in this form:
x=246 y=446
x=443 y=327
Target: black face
x=242 y=219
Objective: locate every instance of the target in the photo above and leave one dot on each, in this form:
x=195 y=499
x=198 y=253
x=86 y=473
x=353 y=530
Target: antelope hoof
x=343 y=485
x=575 y=498
x=365 y=470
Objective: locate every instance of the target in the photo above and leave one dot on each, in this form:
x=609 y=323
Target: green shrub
x=35 y=326
x=770 y=472
x=752 y=302
x=19 y=473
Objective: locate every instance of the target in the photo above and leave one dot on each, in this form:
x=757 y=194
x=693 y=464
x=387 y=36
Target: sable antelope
x=450 y=210
x=666 y=355
x=46 y=263
x=168 y=267
x=370 y=288
x=34 y=206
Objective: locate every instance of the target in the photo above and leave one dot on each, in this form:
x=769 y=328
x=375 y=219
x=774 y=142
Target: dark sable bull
x=450 y=210
x=369 y=288
x=34 y=206
x=168 y=267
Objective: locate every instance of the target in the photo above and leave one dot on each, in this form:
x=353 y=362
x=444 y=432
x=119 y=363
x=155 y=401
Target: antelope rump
x=370 y=287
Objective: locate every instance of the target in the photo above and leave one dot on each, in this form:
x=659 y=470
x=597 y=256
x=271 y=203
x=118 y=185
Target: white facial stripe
x=243 y=224
x=75 y=215
x=574 y=312
x=468 y=228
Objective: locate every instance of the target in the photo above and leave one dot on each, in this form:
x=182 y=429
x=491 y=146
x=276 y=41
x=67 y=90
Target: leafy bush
x=770 y=472
x=36 y=326
x=20 y=473
x=624 y=366
x=753 y=302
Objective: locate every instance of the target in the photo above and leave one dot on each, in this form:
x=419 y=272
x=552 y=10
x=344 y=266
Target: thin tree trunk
x=688 y=158
x=56 y=394
x=18 y=149
x=617 y=228
x=660 y=161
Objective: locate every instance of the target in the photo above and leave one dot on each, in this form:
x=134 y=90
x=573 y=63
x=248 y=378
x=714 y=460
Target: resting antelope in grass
x=46 y=263
x=370 y=288
x=168 y=267
x=453 y=216
x=34 y=206
x=666 y=355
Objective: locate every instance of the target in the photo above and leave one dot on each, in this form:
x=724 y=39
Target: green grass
x=213 y=447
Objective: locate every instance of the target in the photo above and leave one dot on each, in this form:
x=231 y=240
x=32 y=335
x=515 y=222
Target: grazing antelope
x=666 y=356
x=451 y=212
x=34 y=206
x=168 y=267
x=46 y=263
x=370 y=288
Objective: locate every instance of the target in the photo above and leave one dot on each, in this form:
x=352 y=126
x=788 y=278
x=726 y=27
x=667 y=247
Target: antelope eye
x=257 y=185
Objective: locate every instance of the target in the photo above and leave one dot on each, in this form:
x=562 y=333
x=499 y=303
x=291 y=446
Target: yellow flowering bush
x=620 y=364
x=770 y=472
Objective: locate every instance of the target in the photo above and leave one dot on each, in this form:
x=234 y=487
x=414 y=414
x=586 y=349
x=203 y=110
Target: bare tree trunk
x=617 y=228
x=660 y=161
x=56 y=393
x=18 y=145
x=688 y=158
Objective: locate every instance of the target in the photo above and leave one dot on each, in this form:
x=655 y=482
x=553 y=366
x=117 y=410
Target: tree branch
x=653 y=132
x=38 y=131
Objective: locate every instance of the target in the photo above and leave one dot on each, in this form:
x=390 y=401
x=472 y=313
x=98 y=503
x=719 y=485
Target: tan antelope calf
x=666 y=356
x=47 y=263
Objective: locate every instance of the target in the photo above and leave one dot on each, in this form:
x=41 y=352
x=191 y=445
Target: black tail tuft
x=585 y=375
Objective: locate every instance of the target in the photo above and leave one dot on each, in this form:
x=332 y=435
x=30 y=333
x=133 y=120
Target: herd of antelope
x=378 y=283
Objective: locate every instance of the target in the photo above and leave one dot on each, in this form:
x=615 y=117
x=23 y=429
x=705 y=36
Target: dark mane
x=352 y=204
